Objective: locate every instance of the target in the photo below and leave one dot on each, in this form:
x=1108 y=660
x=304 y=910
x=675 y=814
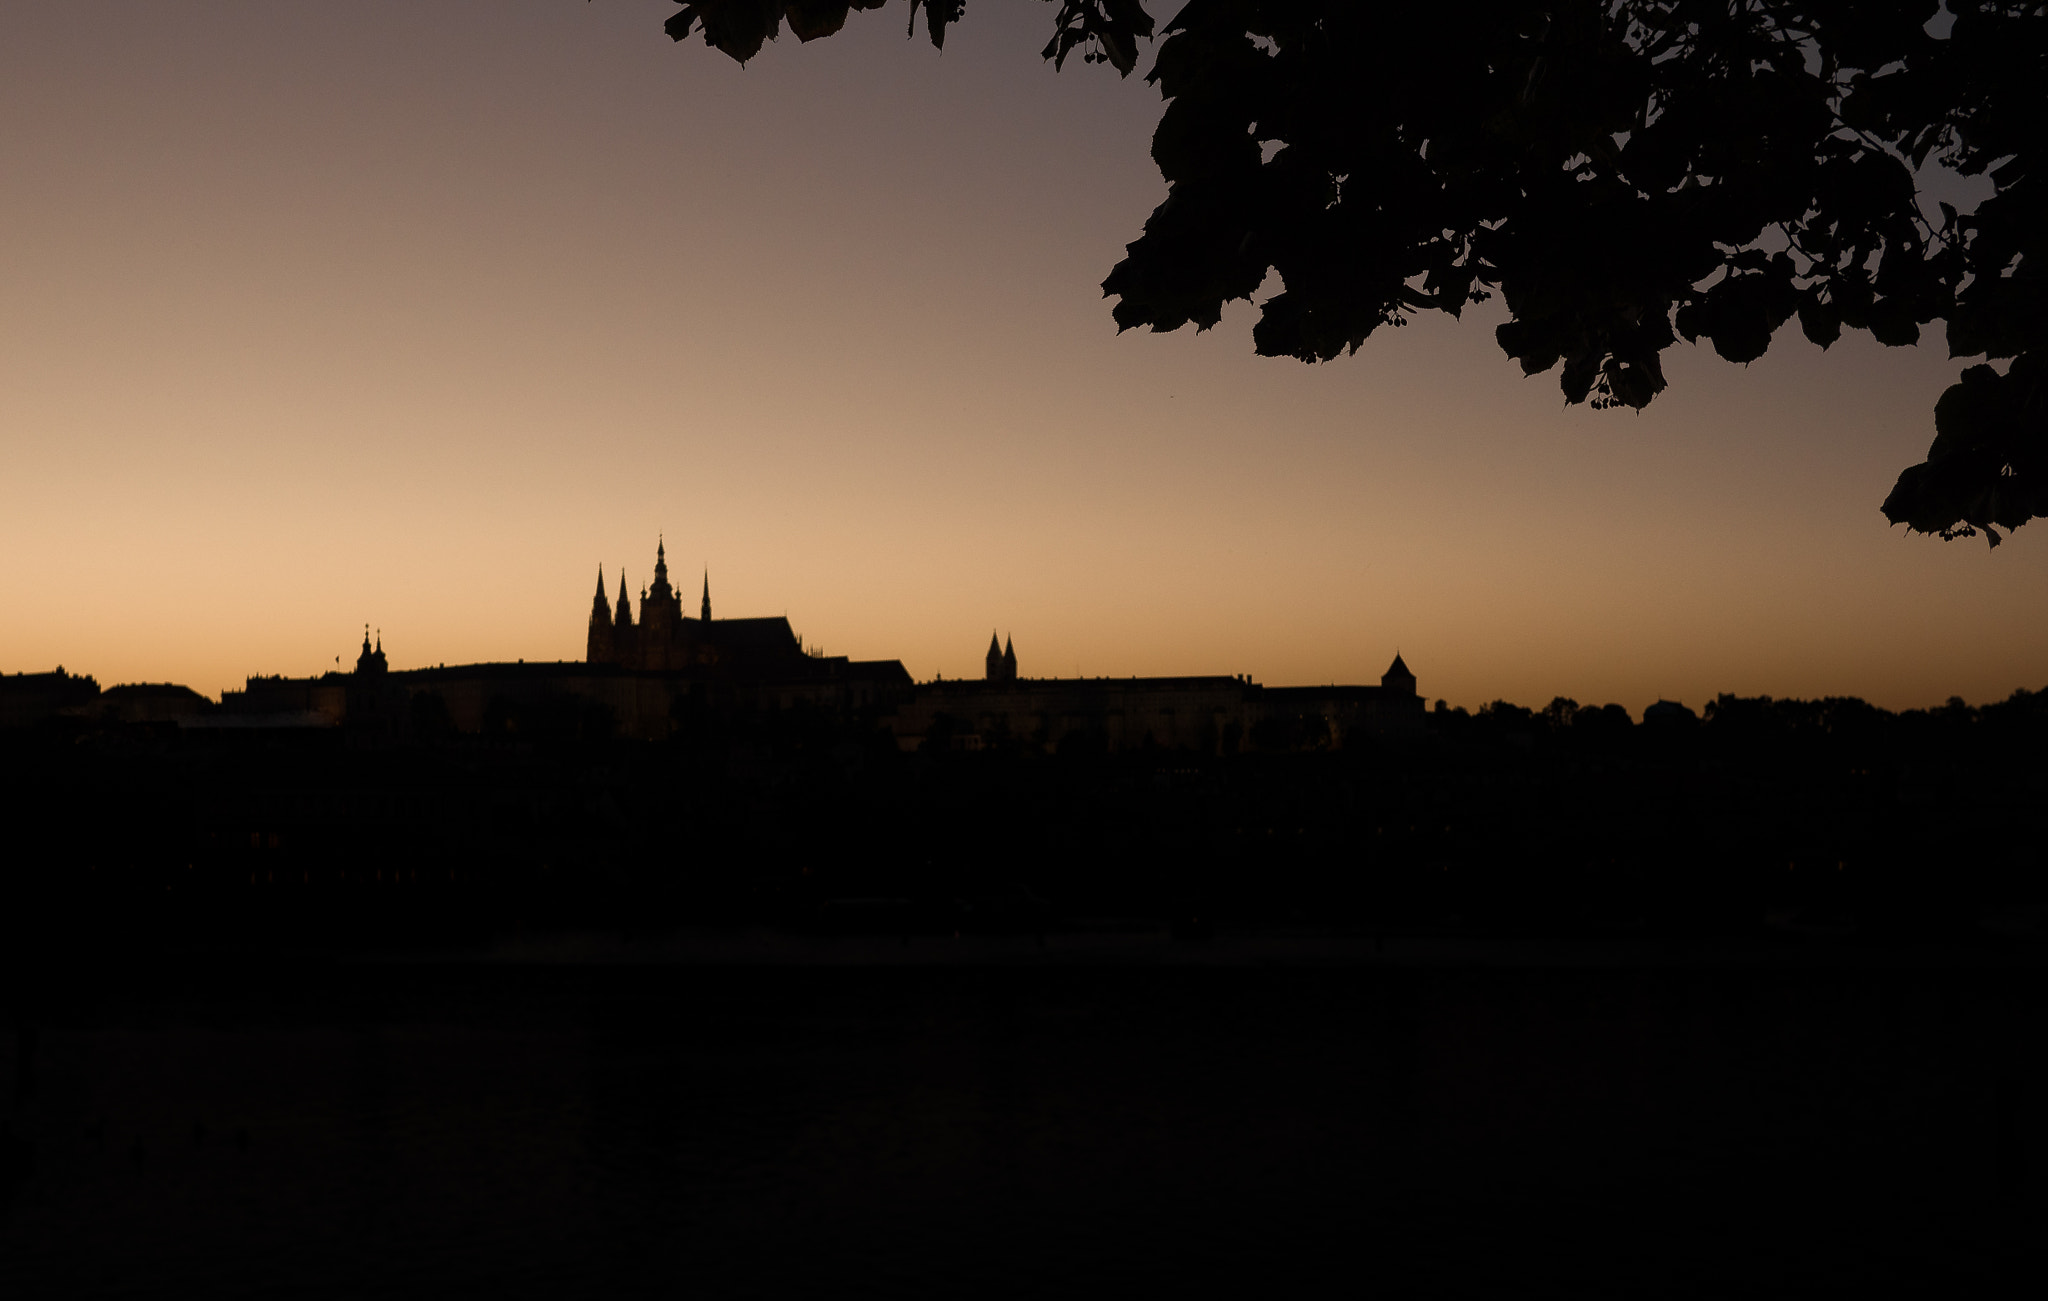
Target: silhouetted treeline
x=1827 y=816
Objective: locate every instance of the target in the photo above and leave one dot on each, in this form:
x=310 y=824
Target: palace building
x=1205 y=715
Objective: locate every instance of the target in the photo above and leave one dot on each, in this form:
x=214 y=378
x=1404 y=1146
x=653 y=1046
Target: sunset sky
x=412 y=314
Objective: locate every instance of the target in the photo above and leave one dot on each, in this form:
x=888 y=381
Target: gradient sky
x=312 y=315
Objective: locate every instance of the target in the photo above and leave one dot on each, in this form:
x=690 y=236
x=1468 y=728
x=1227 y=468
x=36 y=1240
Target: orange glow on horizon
x=414 y=315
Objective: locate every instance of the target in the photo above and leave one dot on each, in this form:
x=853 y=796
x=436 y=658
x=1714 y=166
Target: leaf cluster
x=1106 y=31
x=1622 y=173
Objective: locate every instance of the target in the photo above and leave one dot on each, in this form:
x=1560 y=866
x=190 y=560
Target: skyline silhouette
x=659 y=639
x=436 y=307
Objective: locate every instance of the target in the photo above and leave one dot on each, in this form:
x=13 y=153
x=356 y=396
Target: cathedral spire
x=600 y=647
x=624 y=617
x=707 y=596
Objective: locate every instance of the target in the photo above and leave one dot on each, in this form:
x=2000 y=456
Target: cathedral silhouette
x=664 y=640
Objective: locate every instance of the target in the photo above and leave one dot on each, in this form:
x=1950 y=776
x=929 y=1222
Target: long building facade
x=1205 y=715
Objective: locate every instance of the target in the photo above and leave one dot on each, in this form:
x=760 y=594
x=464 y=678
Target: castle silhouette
x=658 y=672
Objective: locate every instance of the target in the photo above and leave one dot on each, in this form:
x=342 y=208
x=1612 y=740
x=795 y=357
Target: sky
x=313 y=316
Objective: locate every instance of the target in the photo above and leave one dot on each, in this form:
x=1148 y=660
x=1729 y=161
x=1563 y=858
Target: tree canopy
x=1622 y=173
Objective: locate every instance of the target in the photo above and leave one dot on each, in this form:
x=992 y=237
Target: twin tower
x=662 y=638
x=1002 y=661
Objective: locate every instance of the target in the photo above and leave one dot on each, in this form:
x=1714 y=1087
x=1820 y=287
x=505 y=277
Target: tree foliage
x=1623 y=173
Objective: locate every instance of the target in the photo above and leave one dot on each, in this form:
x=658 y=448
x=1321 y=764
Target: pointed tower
x=706 y=615
x=625 y=637
x=656 y=641
x=598 y=647
x=661 y=587
x=994 y=658
x=1009 y=660
x=1397 y=680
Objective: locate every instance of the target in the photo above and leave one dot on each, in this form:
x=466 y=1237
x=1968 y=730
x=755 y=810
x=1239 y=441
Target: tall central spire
x=660 y=565
x=707 y=596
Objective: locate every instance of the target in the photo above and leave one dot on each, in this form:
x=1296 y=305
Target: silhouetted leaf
x=938 y=15
x=737 y=27
x=1819 y=319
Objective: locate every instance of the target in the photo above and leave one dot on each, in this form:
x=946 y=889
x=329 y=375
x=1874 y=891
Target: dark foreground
x=1829 y=1124
x=1531 y=1005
